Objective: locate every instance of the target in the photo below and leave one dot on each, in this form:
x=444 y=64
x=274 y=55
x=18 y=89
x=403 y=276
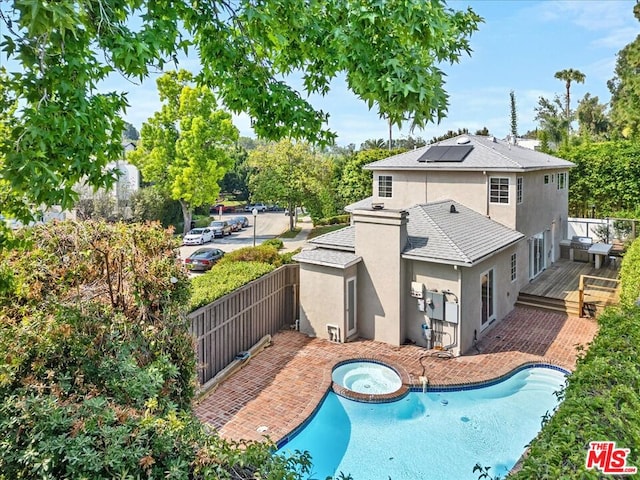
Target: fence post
x=581 y=297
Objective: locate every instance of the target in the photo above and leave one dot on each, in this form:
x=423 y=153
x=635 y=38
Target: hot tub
x=366 y=377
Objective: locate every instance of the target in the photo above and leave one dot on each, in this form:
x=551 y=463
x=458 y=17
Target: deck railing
x=598 y=294
x=235 y=322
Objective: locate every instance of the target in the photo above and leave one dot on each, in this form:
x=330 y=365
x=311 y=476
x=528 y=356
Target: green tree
x=290 y=174
x=130 y=132
x=625 y=88
x=484 y=131
x=553 y=120
x=184 y=148
x=356 y=183
x=593 y=121
x=569 y=75
x=513 y=117
x=67 y=130
x=450 y=134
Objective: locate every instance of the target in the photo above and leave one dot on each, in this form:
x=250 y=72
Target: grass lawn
x=316 y=232
x=290 y=233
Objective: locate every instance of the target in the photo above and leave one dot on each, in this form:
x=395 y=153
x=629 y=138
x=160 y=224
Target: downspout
x=486 y=192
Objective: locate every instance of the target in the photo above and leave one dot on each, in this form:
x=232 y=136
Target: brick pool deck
x=282 y=385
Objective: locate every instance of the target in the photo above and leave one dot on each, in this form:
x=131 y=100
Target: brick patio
x=281 y=386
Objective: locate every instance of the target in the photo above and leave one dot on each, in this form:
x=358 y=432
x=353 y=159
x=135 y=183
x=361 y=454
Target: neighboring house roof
x=487 y=153
x=437 y=235
x=363 y=204
x=343 y=239
x=463 y=238
x=327 y=258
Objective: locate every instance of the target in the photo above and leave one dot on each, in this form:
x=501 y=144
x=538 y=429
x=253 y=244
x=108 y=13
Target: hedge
x=338 y=219
x=224 y=278
x=630 y=275
x=261 y=253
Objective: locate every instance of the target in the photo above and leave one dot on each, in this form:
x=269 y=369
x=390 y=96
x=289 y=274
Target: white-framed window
x=487 y=295
x=519 y=189
x=546 y=179
x=385 y=186
x=514 y=263
x=498 y=190
x=562 y=180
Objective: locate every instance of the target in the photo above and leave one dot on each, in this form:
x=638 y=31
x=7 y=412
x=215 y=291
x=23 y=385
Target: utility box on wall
x=434 y=307
x=451 y=312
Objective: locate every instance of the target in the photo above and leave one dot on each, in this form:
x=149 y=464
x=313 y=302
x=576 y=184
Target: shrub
x=274 y=242
x=287 y=257
x=224 y=278
x=338 y=219
x=97 y=368
x=261 y=253
x=630 y=275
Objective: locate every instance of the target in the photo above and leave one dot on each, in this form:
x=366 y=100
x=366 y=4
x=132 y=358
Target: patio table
x=600 y=251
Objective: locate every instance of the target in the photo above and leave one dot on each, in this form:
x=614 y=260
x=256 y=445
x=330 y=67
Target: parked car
x=242 y=221
x=220 y=228
x=215 y=209
x=235 y=225
x=198 y=236
x=261 y=207
x=203 y=259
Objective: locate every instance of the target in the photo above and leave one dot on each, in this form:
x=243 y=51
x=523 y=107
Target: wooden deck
x=561 y=281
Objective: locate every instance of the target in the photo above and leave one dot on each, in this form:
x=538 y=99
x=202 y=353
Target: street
x=268 y=225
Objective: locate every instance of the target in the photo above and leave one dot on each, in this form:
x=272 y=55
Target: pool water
x=430 y=435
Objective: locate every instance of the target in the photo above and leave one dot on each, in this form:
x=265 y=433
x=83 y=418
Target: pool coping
x=409 y=387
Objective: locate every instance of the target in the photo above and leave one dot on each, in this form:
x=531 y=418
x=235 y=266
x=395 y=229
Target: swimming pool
x=433 y=435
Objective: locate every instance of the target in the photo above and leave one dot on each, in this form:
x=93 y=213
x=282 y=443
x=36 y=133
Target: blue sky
x=519 y=47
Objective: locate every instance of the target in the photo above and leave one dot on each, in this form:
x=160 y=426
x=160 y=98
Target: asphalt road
x=267 y=225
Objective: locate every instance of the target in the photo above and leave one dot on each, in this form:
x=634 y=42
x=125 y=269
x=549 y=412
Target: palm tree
x=570 y=75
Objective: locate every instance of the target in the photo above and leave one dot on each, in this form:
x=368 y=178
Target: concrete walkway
x=290 y=244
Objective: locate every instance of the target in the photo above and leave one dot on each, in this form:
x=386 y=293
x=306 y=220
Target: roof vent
x=463 y=140
x=377 y=206
x=452 y=209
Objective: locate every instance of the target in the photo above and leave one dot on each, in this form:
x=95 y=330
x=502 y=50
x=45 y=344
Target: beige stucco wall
x=544 y=209
x=468 y=188
x=506 y=294
x=321 y=299
x=434 y=276
x=379 y=239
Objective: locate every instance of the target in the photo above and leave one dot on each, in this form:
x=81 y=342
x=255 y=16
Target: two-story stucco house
x=441 y=250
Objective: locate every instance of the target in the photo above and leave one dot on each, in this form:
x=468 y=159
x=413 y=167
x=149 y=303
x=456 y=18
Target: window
x=385 y=186
x=519 y=189
x=487 y=289
x=513 y=267
x=562 y=180
x=499 y=190
x=546 y=179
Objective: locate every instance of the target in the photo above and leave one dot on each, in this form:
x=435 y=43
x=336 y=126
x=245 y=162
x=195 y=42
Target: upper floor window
x=385 y=184
x=498 y=190
x=519 y=189
x=562 y=180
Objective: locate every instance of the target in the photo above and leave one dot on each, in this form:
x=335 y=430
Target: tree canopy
x=66 y=130
x=185 y=147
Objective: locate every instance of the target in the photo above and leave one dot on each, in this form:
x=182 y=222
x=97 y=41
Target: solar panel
x=446 y=153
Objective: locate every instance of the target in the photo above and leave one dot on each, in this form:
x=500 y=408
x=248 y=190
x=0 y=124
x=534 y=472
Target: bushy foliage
x=274 y=242
x=97 y=369
x=335 y=220
x=630 y=275
x=262 y=253
x=224 y=278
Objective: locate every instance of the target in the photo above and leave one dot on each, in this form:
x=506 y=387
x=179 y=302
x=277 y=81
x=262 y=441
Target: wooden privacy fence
x=597 y=293
x=235 y=322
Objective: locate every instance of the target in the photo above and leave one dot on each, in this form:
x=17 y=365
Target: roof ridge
x=500 y=154
x=453 y=244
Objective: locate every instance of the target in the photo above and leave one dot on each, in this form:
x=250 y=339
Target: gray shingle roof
x=363 y=204
x=326 y=257
x=437 y=235
x=343 y=239
x=487 y=154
